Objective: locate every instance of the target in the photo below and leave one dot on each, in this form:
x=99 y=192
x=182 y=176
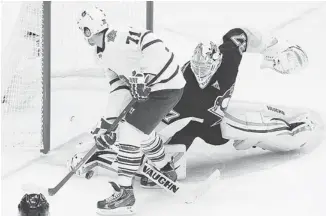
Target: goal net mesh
x=22 y=59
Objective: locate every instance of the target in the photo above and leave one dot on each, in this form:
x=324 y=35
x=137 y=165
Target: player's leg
x=146 y=117
x=212 y=135
x=128 y=161
x=186 y=135
x=269 y=127
x=136 y=136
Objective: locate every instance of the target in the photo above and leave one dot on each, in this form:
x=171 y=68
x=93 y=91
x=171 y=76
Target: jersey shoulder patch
x=111 y=36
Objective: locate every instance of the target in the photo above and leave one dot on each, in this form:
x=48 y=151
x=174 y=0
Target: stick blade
x=52 y=191
x=203 y=187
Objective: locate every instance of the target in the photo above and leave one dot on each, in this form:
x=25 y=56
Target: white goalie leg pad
x=269 y=127
x=296 y=139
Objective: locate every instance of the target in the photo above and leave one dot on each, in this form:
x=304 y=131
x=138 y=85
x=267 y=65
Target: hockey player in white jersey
x=139 y=66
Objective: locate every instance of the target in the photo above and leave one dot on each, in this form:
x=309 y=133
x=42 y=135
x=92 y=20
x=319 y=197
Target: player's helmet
x=33 y=205
x=92 y=21
x=205 y=62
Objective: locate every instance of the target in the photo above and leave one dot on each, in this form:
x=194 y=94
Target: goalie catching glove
x=284 y=57
x=104 y=139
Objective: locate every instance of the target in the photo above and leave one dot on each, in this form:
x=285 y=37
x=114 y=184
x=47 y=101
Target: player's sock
x=121 y=202
x=128 y=160
x=154 y=151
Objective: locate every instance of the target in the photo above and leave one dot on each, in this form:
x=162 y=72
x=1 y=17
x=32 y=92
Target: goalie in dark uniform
x=210 y=76
x=205 y=109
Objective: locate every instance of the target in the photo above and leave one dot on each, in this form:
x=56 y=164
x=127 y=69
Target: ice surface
x=254 y=182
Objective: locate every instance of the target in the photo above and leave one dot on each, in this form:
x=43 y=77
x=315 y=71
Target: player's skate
x=120 y=203
x=168 y=170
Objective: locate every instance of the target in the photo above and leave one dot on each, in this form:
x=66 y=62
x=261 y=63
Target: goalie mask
x=92 y=21
x=205 y=62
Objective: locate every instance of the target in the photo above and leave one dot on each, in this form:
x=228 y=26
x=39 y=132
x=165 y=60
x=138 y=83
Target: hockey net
x=72 y=64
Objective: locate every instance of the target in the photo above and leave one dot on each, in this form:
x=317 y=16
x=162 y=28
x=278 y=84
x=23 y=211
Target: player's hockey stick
x=181 y=191
x=54 y=190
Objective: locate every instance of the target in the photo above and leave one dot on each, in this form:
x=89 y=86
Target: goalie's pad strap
x=247 y=125
x=278 y=125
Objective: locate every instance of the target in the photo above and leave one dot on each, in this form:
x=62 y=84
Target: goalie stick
x=181 y=191
x=54 y=190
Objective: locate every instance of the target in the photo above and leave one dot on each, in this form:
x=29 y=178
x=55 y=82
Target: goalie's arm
x=256 y=41
x=279 y=54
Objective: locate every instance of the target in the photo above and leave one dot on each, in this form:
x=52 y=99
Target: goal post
x=150 y=15
x=45 y=44
x=46 y=69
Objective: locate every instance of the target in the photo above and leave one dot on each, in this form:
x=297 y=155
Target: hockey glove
x=137 y=83
x=284 y=57
x=104 y=139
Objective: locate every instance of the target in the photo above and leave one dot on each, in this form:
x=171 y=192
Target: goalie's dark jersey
x=208 y=103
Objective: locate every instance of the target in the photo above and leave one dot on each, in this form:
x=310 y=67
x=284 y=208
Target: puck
x=89 y=174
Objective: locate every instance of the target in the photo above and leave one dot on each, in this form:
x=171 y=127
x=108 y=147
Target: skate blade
x=118 y=211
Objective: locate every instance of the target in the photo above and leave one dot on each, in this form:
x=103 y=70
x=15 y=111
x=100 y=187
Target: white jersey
x=129 y=49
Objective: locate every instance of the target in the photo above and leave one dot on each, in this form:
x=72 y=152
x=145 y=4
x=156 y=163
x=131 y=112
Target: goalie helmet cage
x=26 y=75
